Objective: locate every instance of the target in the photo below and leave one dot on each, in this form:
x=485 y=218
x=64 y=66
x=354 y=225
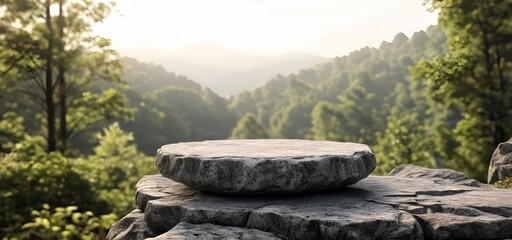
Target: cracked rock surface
x=265 y=166
x=207 y=231
x=417 y=205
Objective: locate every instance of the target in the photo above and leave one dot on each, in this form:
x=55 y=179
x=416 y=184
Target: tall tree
x=61 y=80
x=48 y=90
x=475 y=76
x=73 y=97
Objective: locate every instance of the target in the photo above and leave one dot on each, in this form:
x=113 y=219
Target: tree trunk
x=50 y=104
x=63 y=136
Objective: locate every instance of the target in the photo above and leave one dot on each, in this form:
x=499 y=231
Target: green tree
x=404 y=141
x=474 y=77
x=407 y=138
x=361 y=116
x=54 y=57
x=354 y=119
x=248 y=127
x=114 y=168
x=293 y=121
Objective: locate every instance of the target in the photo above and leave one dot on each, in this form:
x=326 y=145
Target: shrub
x=30 y=177
x=505 y=183
x=66 y=223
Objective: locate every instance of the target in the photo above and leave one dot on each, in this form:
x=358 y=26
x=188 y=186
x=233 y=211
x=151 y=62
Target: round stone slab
x=265 y=166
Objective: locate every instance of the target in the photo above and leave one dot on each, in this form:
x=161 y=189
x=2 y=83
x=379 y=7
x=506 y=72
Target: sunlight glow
x=264 y=27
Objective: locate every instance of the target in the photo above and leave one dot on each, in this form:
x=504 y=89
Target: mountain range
x=225 y=71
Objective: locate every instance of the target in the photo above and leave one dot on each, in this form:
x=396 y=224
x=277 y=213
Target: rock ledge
x=377 y=207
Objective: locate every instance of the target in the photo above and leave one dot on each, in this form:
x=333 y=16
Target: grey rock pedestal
x=255 y=175
x=266 y=166
x=501 y=162
x=377 y=207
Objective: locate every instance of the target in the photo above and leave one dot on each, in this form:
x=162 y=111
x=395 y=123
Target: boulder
x=501 y=163
x=377 y=207
x=208 y=231
x=265 y=166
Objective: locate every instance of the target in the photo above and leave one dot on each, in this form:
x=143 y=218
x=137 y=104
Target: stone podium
x=297 y=189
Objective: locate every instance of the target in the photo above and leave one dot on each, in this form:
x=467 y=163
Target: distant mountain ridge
x=237 y=82
x=225 y=71
x=172 y=108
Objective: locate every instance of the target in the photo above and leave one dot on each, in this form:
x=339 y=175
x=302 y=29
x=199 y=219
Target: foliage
x=115 y=142
x=327 y=122
x=52 y=56
x=114 y=168
x=66 y=223
x=101 y=183
x=473 y=77
x=248 y=127
x=365 y=97
x=347 y=99
x=29 y=178
x=505 y=183
x=405 y=141
x=11 y=131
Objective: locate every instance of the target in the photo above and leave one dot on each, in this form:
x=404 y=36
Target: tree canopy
x=474 y=77
x=52 y=56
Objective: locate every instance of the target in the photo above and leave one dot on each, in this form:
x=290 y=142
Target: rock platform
x=410 y=203
x=378 y=207
x=265 y=166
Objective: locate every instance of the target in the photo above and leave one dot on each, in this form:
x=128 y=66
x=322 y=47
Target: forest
x=80 y=124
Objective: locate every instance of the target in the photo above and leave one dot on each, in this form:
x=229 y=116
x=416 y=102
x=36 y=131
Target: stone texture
x=323 y=215
x=421 y=205
x=437 y=175
x=132 y=226
x=213 y=232
x=501 y=162
x=265 y=166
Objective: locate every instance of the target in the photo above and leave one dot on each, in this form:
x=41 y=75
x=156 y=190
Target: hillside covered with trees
x=368 y=96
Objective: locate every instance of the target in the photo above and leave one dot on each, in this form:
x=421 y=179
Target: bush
x=101 y=183
x=505 y=183
x=29 y=178
x=66 y=223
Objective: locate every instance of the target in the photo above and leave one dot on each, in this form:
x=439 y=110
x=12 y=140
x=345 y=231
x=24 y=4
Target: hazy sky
x=264 y=27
